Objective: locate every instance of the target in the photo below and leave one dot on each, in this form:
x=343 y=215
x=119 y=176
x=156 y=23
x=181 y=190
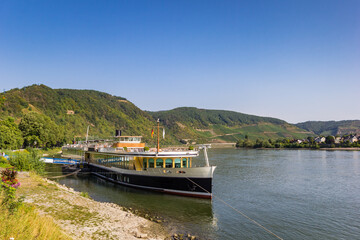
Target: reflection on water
x=297 y=194
x=181 y=213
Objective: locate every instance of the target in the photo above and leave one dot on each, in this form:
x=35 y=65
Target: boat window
x=145 y=163
x=177 y=163
x=184 y=162
x=151 y=163
x=159 y=163
x=168 y=163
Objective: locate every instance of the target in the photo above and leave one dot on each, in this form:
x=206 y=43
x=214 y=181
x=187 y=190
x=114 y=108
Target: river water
x=296 y=194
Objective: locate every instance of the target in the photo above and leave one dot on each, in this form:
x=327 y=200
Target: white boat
x=128 y=162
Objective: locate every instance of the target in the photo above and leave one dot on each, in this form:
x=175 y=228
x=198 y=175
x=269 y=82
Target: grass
x=27 y=161
x=26 y=223
x=50 y=152
x=85 y=194
x=5 y=165
x=52 y=204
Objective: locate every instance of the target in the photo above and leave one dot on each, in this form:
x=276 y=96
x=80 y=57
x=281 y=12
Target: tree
x=311 y=140
x=239 y=143
x=330 y=140
x=10 y=135
x=2 y=100
x=40 y=131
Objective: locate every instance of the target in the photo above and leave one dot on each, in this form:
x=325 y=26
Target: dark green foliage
x=330 y=140
x=40 y=131
x=205 y=125
x=291 y=143
x=202 y=118
x=73 y=110
x=10 y=135
x=103 y=112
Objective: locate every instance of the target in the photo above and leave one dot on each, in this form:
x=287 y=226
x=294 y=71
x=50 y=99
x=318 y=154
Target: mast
x=87 y=133
x=158 y=145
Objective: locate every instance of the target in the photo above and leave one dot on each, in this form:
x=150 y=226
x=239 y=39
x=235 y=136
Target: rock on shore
x=84 y=218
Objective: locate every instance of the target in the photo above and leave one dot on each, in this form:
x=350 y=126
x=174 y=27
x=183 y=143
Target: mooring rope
x=238 y=211
x=227 y=204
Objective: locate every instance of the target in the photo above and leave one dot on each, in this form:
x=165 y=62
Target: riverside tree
x=330 y=140
x=10 y=135
x=40 y=131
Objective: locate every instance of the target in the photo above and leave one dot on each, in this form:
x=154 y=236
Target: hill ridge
x=75 y=109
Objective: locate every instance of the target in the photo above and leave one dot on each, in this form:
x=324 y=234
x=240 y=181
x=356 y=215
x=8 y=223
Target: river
x=296 y=194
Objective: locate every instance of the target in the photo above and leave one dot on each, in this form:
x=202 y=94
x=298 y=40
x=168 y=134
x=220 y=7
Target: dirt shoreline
x=84 y=218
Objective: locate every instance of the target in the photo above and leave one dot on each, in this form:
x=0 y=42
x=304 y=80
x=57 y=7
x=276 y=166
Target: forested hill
x=73 y=110
x=331 y=127
x=224 y=126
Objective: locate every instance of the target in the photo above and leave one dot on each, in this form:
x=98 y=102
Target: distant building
x=338 y=139
x=320 y=139
x=351 y=139
x=70 y=112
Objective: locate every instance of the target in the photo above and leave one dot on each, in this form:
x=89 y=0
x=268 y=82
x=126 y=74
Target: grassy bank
x=27 y=223
x=23 y=221
x=79 y=216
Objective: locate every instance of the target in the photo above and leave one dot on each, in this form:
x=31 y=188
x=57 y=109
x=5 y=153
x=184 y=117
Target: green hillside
x=202 y=125
x=73 y=110
x=331 y=127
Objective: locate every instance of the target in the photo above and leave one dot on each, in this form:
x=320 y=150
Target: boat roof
x=129 y=136
x=169 y=154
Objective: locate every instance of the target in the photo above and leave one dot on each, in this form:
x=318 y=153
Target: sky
x=296 y=60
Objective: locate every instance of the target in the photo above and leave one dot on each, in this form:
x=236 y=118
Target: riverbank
x=341 y=149
x=84 y=218
x=313 y=149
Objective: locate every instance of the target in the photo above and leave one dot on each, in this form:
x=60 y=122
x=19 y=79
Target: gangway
x=60 y=160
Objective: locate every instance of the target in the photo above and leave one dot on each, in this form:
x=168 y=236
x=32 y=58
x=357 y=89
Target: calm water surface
x=297 y=194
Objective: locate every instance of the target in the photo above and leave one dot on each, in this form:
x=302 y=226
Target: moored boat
x=128 y=162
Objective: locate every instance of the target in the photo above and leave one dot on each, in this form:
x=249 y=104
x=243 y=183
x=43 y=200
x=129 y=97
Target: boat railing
x=175 y=149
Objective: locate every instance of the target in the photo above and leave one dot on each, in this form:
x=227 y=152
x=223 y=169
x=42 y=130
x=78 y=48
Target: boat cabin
x=138 y=163
x=129 y=142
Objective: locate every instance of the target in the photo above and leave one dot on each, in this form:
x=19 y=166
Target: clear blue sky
x=295 y=60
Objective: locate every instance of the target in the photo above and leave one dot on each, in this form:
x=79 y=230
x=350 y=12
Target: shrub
x=3 y=160
x=9 y=184
x=27 y=161
x=191 y=147
x=85 y=194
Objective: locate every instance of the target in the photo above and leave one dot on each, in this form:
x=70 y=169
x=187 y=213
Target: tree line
x=34 y=130
x=293 y=143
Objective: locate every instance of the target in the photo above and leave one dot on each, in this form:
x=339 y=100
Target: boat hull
x=199 y=187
